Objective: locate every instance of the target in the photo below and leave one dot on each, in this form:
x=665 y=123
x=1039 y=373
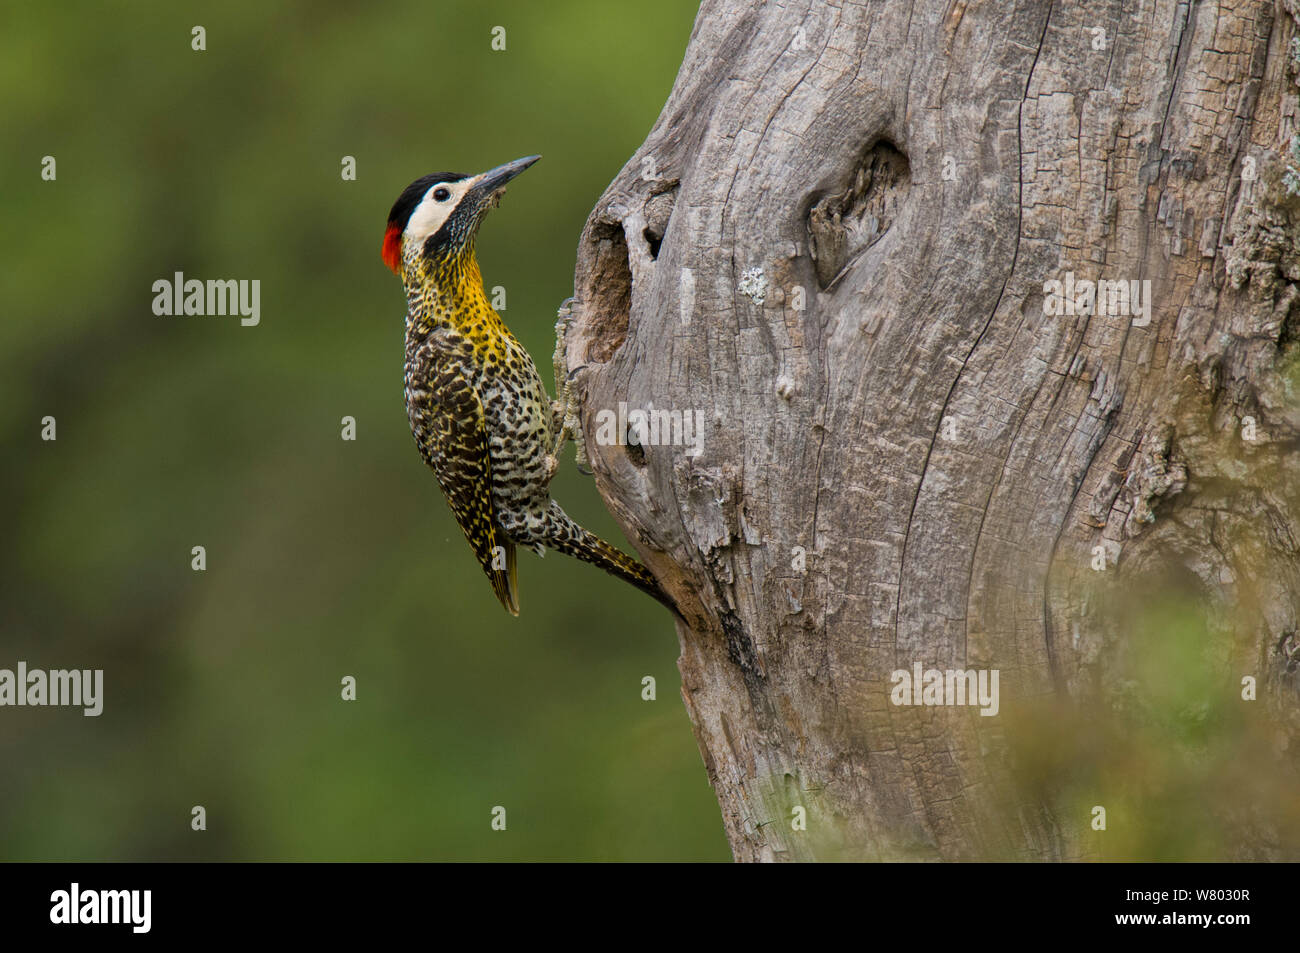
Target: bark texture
x=835 y=243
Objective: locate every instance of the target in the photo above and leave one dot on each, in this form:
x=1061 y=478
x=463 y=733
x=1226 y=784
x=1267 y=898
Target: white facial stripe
x=430 y=214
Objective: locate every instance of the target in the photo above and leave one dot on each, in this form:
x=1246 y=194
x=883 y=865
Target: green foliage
x=1186 y=768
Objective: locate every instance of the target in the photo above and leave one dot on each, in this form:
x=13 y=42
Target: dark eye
x=441 y=194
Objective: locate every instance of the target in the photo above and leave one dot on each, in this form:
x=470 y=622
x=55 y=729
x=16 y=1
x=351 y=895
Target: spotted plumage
x=479 y=411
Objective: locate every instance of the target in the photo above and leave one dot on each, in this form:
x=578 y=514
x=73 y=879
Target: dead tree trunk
x=839 y=244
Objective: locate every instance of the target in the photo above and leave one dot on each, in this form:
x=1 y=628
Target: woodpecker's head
x=440 y=213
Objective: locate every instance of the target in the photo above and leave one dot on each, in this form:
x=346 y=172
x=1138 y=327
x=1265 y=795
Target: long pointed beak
x=492 y=181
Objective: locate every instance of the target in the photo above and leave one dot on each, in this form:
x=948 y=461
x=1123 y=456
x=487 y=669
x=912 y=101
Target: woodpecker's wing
x=453 y=439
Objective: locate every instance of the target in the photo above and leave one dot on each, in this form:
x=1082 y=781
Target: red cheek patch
x=393 y=249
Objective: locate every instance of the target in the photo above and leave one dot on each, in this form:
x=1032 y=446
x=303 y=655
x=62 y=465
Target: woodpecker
x=479 y=411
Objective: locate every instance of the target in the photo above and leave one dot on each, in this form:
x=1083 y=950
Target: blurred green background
x=325 y=558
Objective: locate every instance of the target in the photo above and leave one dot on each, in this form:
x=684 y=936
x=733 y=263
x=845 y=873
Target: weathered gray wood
x=916 y=172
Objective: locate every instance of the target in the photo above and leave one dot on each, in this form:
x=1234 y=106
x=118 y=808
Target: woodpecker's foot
x=565 y=409
x=573 y=425
x=566 y=427
x=579 y=446
x=560 y=359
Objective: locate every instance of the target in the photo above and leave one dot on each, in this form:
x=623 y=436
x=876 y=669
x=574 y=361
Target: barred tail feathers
x=505 y=582
x=566 y=536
